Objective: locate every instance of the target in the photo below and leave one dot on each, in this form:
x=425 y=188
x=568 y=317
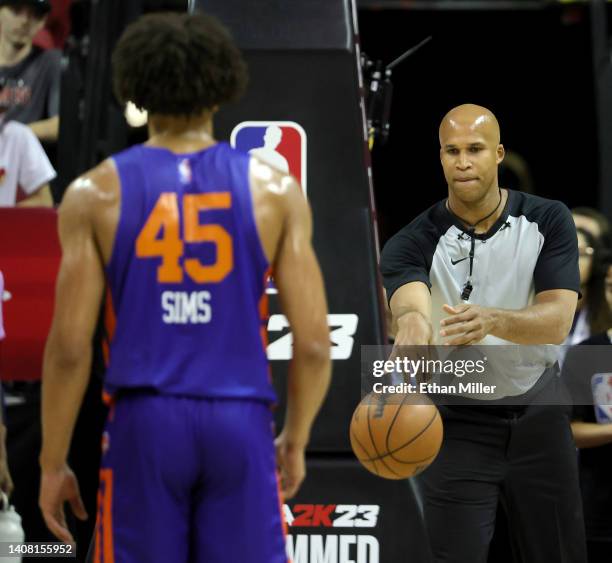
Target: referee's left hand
x=468 y=323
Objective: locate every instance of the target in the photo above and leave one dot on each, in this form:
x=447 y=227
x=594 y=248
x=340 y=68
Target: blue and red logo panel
x=279 y=143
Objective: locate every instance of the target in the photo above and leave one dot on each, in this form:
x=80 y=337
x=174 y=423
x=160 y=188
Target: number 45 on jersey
x=171 y=247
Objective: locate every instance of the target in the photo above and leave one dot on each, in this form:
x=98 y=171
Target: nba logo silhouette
x=185 y=171
x=279 y=143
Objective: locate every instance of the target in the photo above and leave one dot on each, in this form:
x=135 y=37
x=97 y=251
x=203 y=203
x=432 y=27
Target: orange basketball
x=396 y=436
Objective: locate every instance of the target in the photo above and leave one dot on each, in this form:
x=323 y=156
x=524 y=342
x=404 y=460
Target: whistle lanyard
x=468 y=287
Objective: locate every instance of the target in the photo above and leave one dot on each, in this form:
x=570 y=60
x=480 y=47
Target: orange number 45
x=170 y=247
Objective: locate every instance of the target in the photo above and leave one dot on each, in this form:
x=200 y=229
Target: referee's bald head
x=473 y=118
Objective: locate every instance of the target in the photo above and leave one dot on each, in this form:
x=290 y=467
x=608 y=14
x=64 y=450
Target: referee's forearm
x=542 y=323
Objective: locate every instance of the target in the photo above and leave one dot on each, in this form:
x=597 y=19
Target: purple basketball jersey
x=187 y=276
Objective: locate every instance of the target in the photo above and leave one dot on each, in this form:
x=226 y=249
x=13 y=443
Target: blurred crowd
x=587 y=371
x=32 y=35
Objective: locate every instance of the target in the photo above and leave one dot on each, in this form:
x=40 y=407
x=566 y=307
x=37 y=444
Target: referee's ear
x=501 y=152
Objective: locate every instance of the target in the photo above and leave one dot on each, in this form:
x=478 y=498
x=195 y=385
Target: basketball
x=396 y=437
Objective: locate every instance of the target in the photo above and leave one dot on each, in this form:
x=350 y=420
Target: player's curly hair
x=177 y=64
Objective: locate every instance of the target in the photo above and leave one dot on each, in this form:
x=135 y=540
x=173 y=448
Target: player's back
x=186 y=277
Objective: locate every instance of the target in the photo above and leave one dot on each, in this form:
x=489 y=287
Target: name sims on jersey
x=184 y=307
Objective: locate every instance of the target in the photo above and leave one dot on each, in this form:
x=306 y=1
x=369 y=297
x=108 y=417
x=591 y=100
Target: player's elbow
x=313 y=348
x=66 y=354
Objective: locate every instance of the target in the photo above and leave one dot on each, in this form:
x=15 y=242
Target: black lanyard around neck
x=467 y=288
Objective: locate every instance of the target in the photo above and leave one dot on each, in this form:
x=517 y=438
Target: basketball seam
x=410 y=462
x=375 y=468
x=379 y=457
x=399 y=408
x=354 y=436
x=417 y=436
x=390 y=453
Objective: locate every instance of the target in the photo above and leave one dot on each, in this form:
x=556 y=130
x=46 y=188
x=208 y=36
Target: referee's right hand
x=413 y=340
x=413 y=329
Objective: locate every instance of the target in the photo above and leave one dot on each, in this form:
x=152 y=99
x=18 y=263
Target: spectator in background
x=25 y=170
x=29 y=75
x=592 y=428
x=57 y=26
x=595 y=223
x=514 y=173
x=592 y=314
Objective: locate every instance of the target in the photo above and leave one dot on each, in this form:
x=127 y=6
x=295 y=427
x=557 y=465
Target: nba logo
x=105 y=442
x=601 y=385
x=279 y=143
x=184 y=169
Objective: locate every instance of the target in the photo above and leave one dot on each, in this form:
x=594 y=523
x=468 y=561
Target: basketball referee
x=493 y=266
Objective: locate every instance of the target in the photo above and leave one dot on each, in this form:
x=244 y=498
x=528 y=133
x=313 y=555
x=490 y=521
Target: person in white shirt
x=25 y=170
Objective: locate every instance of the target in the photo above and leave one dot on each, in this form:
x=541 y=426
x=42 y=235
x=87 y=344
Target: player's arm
x=68 y=352
x=40 y=198
x=46 y=129
x=591 y=434
x=302 y=298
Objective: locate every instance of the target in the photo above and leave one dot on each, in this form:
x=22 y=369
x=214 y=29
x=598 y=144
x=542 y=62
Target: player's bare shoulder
x=96 y=186
x=267 y=180
x=277 y=196
x=94 y=198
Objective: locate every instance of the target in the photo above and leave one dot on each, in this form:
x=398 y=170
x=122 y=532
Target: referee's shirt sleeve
x=403 y=261
x=557 y=265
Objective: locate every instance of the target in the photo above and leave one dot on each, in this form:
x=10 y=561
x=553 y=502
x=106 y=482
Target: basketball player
x=493 y=266
x=184 y=231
